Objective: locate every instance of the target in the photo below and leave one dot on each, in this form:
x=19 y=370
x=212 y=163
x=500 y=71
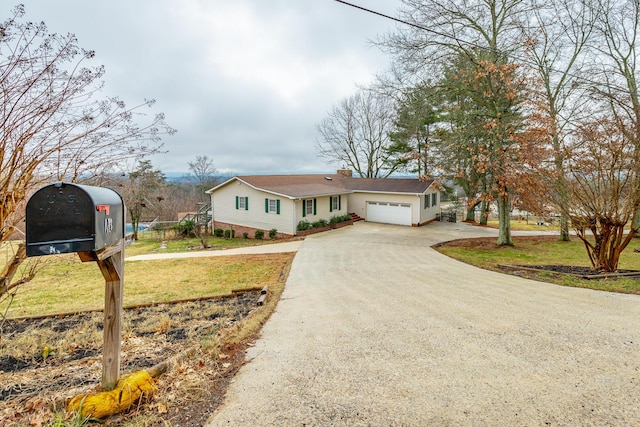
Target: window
x=434 y=199
x=272 y=206
x=242 y=203
x=308 y=207
x=426 y=201
x=335 y=203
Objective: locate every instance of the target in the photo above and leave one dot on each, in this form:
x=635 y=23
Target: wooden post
x=111 y=263
x=112 y=269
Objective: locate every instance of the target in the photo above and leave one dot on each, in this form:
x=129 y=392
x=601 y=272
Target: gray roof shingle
x=312 y=185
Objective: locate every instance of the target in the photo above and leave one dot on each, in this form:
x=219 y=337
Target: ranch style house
x=266 y=202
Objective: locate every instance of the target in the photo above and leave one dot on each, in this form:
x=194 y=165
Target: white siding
x=419 y=215
x=323 y=209
x=223 y=202
x=429 y=213
x=358 y=203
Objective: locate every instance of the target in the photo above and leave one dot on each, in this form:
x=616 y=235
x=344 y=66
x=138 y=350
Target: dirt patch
x=490 y=242
x=574 y=270
x=44 y=362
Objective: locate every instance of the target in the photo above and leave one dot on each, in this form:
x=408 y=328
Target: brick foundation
x=239 y=229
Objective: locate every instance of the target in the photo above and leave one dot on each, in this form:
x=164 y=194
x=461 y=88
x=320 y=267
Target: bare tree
x=141 y=193
x=556 y=38
x=205 y=174
x=356 y=133
x=52 y=126
x=604 y=182
x=603 y=185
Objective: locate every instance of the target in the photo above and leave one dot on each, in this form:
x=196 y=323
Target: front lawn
x=66 y=285
x=151 y=242
x=543 y=250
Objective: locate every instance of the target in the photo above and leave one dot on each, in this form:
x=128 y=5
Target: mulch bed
x=34 y=382
x=583 y=272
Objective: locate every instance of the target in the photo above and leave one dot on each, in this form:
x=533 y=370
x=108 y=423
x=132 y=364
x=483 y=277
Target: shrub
x=227 y=234
x=303 y=225
x=245 y=235
x=259 y=234
x=186 y=228
x=339 y=218
x=319 y=223
x=273 y=233
x=218 y=232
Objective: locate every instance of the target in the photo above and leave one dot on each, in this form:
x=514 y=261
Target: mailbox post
x=67 y=218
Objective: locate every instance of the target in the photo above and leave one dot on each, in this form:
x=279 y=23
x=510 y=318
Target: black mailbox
x=64 y=218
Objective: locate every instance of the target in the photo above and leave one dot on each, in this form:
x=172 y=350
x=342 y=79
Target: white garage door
x=389 y=213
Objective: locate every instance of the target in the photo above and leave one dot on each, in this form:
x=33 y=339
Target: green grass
x=67 y=285
x=552 y=252
x=151 y=242
x=64 y=284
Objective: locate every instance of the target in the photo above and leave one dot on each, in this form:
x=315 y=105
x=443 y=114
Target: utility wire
x=411 y=24
x=464 y=42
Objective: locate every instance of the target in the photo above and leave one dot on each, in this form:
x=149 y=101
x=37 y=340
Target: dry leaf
x=36 y=421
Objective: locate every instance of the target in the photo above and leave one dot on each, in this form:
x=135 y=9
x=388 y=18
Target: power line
x=411 y=24
x=464 y=42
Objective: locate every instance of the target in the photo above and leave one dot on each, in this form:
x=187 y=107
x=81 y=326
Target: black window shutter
x=304 y=208
x=266 y=205
x=278 y=206
x=246 y=203
x=339 y=203
x=330 y=203
x=315 y=212
x=236 y=202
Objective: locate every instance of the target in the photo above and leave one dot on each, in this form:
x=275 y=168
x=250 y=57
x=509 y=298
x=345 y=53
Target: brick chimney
x=345 y=172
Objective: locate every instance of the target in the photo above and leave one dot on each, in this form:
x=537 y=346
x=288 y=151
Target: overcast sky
x=244 y=81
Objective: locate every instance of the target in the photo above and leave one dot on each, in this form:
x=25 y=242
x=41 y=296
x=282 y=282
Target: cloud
x=244 y=82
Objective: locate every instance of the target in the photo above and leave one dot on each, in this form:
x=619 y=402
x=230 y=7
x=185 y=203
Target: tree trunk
x=564 y=227
x=471 y=212
x=134 y=228
x=609 y=247
x=504 y=221
x=608 y=243
x=484 y=212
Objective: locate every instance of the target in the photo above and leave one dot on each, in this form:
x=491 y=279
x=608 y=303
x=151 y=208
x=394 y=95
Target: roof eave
x=211 y=190
x=403 y=193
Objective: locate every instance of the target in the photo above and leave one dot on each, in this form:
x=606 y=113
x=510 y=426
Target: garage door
x=389 y=213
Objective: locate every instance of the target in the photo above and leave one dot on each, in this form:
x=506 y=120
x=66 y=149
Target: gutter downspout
x=293 y=218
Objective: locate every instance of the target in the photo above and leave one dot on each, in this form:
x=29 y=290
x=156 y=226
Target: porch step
x=355 y=217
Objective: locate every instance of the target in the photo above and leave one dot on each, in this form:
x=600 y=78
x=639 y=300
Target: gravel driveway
x=377 y=329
